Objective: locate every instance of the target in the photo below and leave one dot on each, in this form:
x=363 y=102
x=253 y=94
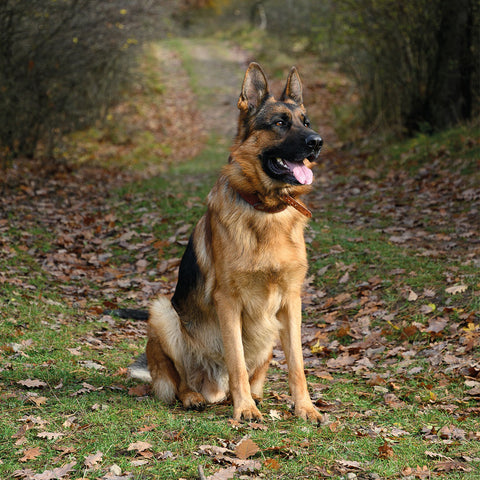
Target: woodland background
x=115 y=118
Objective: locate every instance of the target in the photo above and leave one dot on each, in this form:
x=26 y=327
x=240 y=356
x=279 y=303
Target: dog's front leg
x=290 y=317
x=229 y=316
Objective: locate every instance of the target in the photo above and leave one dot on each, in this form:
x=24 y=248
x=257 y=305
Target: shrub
x=415 y=62
x=63 y=62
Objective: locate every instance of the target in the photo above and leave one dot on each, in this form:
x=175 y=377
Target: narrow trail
x=217 y=70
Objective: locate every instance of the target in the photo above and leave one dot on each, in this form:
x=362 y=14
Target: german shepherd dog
x=241 y=276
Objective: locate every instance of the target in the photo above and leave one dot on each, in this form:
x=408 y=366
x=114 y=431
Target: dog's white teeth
x=281 y=162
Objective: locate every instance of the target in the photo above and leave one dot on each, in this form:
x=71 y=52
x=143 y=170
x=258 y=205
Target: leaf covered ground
x=391 y=305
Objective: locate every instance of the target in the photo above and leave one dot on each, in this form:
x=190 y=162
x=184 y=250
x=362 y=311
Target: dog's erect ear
x=254 y=88
x=293 y=88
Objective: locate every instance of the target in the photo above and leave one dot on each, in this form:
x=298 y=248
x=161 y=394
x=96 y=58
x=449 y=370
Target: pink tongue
x=302 y=173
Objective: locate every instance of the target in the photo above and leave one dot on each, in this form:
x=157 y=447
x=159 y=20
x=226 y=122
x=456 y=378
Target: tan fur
x=251 y=268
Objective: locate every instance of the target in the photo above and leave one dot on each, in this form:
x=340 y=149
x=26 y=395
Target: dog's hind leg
x=167 y=383
x=257 y=379
x=165 y=377
x=165 y=354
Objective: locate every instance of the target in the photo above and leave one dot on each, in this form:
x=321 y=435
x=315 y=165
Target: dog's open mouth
x=298 y=170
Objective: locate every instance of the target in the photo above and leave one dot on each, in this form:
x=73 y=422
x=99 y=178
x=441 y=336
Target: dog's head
x=275 y=134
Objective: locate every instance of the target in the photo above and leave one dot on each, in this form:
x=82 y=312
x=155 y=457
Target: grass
x=80 y=355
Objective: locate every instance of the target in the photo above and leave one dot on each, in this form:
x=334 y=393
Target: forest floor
x=391 y=304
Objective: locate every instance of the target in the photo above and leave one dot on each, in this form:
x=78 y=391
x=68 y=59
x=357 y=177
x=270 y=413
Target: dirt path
x=217 y=73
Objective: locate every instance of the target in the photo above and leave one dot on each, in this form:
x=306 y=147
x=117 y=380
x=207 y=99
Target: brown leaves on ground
x=246 y=448
x=55 y=474
x=30 y=454
x=92 y=460
x=29 y=383
x=66 y=204
x=236 y=458
x=139 y=446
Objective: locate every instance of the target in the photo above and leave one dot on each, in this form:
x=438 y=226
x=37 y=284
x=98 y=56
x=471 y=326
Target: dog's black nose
x=315 y=142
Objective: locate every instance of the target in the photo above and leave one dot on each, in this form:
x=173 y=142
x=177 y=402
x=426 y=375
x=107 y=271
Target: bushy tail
x=139 y=369
x=128 y=313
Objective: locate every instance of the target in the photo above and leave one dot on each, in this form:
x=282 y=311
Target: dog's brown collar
x=254 y=200
x=299 y=206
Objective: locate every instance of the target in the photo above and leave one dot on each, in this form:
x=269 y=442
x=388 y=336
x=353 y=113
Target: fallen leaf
x=65 y=450
x=317 y=348
x=271 y=464
x=456 y=289
x=87 y=388
x=418 y=472
x=246 y=448
x=30 y=454
x=398 y=432
x=334 y=426
x=92 y=460
x=38 y=401
x=50 y=435
x=426 y=309
x=343 y=360
x=21 y=441
x=385 y=451
x=75 y=351
x=436 y=325
x=139 y=446
x=393 y=401
x=90 y=364
x=165 y=455
x=412 y=296
x=23 y=473
x=324 y=406
x=450 y=432
x=223 y=474
x=22 y=430
x=452 y=466
x=275 y=415
x=409 y=331
x=429 y=293
x=436 y=455
x=56 y=473
x=344 y=278
x=146 y=454
x=349 y=464
x=32 y=383
x=213 y=450
x=376 y=380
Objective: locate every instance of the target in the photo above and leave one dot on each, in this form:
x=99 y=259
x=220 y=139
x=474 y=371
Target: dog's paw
x=247 y=412
x=194 y=401
x=309 y=413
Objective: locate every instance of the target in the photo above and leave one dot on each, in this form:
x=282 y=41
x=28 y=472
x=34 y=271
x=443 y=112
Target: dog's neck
x=285 y=200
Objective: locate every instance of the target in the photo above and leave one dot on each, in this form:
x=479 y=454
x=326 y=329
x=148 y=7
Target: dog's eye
x=306 y=122
x=280 y=123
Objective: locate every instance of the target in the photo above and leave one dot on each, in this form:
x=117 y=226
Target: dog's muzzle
x=314 y=142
